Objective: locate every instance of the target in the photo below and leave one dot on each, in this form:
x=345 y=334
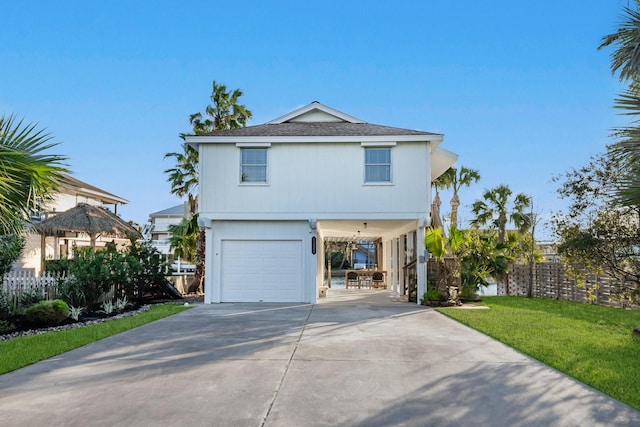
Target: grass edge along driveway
x=591 y=343
x=23 y=351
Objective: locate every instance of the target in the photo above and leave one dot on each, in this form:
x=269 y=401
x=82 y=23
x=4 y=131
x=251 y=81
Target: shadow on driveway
x=356 y=359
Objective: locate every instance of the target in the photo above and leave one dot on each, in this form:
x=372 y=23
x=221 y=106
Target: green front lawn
x=593 y=344
x=22 y=351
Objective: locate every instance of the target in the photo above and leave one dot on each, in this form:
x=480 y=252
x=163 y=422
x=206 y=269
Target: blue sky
x=519 y=89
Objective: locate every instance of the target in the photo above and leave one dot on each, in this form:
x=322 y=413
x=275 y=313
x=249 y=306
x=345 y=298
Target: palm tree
x=494 y=211
x=625 y=59
x=28 y=176
x=456 y=179
x=184 y=176
x=223 y=113
x=183 y=239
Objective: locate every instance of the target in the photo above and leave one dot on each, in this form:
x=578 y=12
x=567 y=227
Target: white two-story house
x=271 y=196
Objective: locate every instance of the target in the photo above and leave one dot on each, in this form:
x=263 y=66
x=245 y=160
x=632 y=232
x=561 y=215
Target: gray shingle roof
x=318 y=129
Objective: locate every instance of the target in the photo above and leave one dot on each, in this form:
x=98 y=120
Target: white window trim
x=252 y=183
x=381 y=144
x=364 y=168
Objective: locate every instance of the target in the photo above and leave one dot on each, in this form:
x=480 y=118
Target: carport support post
x=421 y=266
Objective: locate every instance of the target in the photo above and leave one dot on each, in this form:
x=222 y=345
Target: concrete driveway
x=356 y=359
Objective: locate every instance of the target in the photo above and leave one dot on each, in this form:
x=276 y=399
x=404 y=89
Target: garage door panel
x=262 y=270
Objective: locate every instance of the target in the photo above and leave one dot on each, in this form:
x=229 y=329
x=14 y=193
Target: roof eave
x=315 y=106
x=196 y=140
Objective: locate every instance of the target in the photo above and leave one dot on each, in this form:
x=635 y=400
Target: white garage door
x=262 y=270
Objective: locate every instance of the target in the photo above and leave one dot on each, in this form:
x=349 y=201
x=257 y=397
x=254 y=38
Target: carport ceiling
x=355 y=230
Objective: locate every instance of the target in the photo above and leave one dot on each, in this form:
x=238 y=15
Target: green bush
x=11 y=246
x=5 y=307
x=433 y=295
x=92 y=270
x=59 y=266
x=31 y=297
x=6 y=327
x=132 y=273
x=47 y=313
x=72 y=291
x=143 y=269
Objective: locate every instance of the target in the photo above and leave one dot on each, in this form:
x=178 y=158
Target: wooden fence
x=550 y=280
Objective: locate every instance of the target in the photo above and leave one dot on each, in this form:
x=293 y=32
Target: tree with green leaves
x=455 y=179
x=625 y=60
x=225 y=112
x=183 y=240
x=11 y=246
x=28 y=175
x=594 y=234
x=498 y=209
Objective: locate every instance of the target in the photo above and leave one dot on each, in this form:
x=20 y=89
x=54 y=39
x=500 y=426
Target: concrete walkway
x=356 y=359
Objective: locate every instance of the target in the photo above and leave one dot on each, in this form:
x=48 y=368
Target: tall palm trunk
x=200 y=257
x=455 y=203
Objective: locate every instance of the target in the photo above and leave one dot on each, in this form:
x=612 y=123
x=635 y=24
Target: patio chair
x=352 y=279
x=364 y=281
x=378 y=280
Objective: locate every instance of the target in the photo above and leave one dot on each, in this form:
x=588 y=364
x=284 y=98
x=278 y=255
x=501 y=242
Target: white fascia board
x=253 y=144
x=304 y=216
x=208 y=139
x=379 y=144
x=103 y=197
x=315 y=106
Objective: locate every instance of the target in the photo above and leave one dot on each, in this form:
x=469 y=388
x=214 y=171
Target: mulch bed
x=23 y=327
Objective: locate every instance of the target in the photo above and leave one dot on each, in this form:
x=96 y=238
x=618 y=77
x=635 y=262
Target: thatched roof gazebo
x=92 y=220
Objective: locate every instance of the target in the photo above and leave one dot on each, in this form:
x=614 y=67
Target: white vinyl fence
x=17 y=284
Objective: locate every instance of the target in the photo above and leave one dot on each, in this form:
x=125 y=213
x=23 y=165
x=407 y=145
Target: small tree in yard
x=595 y=233
x=438 y=246
x=11 y=246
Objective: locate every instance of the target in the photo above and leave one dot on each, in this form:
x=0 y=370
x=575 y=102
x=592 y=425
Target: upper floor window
x=377 y=164
x=253 y=165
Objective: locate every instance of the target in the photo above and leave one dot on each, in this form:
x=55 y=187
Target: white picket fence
x=17 y=283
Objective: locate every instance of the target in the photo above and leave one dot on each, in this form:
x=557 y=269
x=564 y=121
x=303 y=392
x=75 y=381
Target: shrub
x=31 y=297
x=92 y=271
x=6 y=327
x=75 y=312
x=432 y=295
x=72 y=291
x=59 y=266
x=47 y=313
x=11 y=246
x=144 y=268
x=5 y=307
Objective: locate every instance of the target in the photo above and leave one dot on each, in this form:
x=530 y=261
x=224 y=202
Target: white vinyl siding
x=311 y=180
x=377 y=165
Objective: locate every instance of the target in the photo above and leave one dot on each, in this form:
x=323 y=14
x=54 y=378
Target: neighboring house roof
x=175 y=211
x=75 y=186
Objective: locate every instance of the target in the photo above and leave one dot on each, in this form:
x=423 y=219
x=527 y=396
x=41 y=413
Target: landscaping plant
x=47 y=313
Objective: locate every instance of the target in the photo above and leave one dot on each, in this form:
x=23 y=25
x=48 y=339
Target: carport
x=397 y=249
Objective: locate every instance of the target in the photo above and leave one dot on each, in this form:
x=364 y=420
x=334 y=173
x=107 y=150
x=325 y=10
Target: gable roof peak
x=315 y=112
